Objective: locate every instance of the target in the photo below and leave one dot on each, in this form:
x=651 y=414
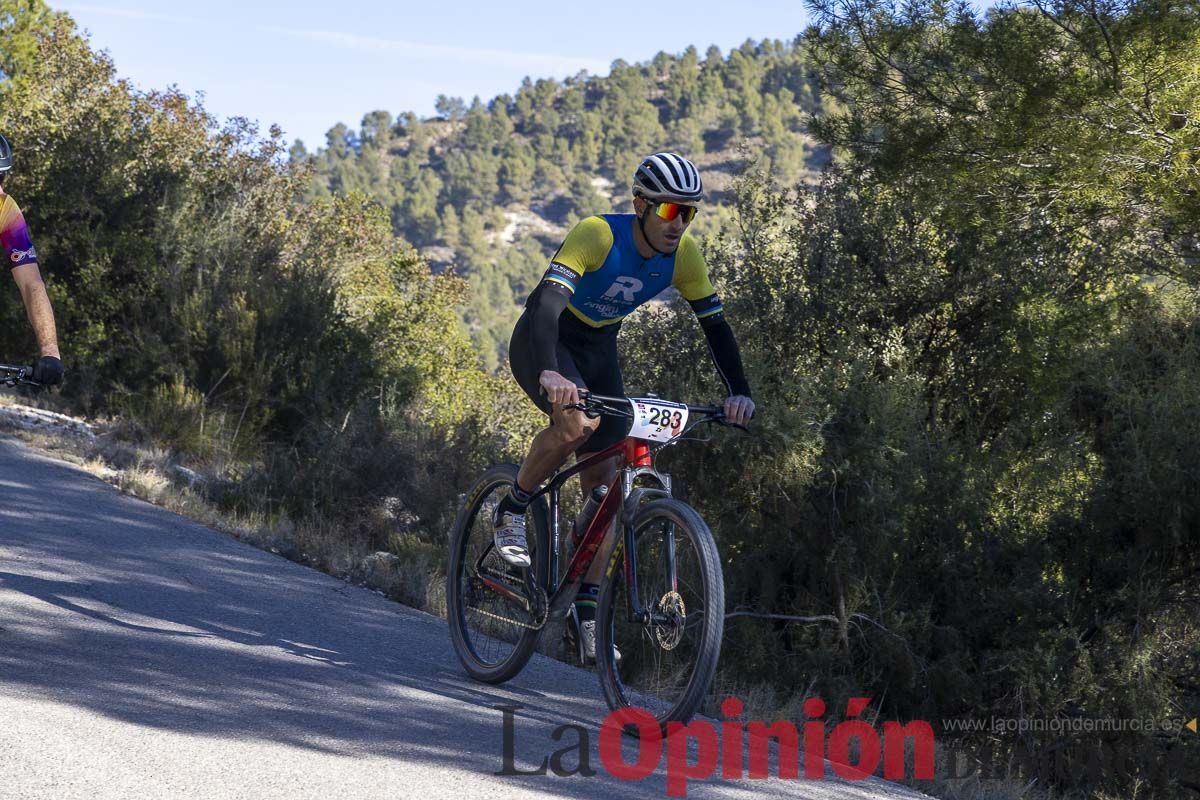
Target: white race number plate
x=657 y=420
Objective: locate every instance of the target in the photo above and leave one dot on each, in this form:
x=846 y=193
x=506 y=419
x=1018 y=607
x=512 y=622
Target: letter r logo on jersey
x=624 y=286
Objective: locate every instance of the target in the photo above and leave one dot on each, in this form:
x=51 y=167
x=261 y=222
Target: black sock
x=585 y=601
x=516 y=501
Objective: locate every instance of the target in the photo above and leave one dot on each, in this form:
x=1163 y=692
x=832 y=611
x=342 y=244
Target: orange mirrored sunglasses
x=670 y=211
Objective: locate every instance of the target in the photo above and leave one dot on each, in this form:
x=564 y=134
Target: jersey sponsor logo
x=706 y=304
x=560 y=271
x=18 y=256
x=625 y=286
x=604 y=309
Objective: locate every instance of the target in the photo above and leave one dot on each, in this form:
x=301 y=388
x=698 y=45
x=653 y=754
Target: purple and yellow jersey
x=14 y=236
x=608 y=278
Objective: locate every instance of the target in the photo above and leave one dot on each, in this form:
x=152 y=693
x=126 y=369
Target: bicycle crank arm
x=516 y=598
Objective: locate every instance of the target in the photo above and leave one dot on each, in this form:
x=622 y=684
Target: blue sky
x=308 y=65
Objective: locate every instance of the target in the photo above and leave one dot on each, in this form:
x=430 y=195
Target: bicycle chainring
x=541 y=604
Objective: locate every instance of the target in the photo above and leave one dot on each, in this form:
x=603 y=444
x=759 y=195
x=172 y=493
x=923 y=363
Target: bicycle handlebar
x=11 y=375
x=712 y=411
x=595 y=404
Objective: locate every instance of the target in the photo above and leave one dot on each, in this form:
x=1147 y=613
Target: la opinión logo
x=740 y=749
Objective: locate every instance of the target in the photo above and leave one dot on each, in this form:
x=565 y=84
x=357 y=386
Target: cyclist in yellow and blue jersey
x=566 y=341
x=19 y=251
x=607 y=277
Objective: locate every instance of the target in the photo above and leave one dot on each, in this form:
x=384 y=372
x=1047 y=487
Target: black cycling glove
x=48 y=370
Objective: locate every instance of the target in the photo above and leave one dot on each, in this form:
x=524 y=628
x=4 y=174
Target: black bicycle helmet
x=5 y=155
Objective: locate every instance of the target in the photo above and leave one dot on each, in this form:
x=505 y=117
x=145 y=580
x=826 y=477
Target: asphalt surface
x=143 y=655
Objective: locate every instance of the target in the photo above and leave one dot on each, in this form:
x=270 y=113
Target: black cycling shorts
x=588 y=357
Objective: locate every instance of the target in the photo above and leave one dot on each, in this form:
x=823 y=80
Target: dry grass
x=155 y=475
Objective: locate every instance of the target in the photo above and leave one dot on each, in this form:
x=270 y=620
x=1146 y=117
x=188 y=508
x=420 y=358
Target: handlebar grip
x=710 y=410
x=16 y=373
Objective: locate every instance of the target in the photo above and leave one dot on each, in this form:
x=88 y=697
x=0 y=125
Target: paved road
x=143 y=655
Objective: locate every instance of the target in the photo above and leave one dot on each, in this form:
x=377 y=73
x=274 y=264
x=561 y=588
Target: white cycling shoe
x=587 y=643
x=510 y=539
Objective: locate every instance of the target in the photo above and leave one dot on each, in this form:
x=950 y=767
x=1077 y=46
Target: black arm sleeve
x=544 y=307
x=725 y=354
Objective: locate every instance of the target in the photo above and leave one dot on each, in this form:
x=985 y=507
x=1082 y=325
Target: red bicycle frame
x=634 y=457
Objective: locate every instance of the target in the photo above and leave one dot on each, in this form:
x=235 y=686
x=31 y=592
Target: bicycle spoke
x=658 y=660
x=493 y=633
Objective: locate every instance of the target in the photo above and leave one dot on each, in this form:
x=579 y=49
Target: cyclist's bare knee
x=573 y=427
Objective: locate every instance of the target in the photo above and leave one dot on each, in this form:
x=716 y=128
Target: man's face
x=664 y=234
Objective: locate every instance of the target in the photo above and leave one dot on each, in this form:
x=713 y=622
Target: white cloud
x=533 y=63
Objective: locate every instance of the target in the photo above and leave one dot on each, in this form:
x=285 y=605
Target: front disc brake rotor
x=671 y=634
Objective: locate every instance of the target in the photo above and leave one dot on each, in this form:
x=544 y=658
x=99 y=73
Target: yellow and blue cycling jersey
x=14 y=235
x=599 y=276
x=608 y=278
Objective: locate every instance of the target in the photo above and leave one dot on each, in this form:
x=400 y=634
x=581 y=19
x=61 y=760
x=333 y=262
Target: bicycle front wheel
x=667 y=660
x=493 y=635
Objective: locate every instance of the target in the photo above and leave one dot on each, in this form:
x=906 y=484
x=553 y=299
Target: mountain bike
x=16 y=376
x=662 y=598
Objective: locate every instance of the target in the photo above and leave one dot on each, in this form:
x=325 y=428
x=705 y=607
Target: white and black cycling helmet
x=670 y=177
x=5 y=155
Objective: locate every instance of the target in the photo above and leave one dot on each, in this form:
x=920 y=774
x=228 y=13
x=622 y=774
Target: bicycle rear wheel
x=667 y=662
x=493 y=636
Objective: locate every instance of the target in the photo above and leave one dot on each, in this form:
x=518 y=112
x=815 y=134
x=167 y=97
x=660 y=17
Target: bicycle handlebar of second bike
x=12 y=375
